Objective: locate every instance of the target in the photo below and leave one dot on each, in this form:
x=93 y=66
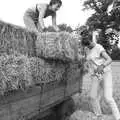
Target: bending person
x=34 y=16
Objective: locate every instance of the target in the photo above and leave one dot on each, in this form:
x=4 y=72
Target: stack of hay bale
x=61 y=46
x=27 y=59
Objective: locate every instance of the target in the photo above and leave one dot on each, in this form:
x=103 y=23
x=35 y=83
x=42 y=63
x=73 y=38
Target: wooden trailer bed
x=36 y=101
x=24 y=52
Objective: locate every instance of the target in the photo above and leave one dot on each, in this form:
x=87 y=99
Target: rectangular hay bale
x=16 y=39
x=60 y=45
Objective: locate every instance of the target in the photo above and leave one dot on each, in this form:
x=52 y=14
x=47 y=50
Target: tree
x=116 y=54
x=115 y=15
x=103 y=20
x=99 y=6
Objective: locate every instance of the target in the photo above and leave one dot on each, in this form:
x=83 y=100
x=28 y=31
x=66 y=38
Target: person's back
x=33 y=7
x=33 y=17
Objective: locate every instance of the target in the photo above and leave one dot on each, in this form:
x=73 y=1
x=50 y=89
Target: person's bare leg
x=29 y=23
x=108 y=89
x=94 y=96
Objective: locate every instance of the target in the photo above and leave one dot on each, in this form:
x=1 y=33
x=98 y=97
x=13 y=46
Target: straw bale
x=21 y=68
x=62 y=46
x=14 y=72
x=16 y=39
x=46 y=71
x=20 y=72
x=50 y=45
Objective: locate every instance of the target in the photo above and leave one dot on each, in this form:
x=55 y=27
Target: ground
x=84 y=108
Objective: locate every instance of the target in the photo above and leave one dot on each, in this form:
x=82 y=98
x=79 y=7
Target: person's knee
x=92 y=98
x=108 y=98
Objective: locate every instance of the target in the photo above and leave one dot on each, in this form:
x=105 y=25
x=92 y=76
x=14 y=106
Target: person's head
x=55 y=4
x=87 y=41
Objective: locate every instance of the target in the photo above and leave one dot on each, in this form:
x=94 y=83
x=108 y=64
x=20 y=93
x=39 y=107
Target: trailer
x=43 y=98
x=39 y=101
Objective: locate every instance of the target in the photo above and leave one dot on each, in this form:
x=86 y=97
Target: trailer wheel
x=65 y=109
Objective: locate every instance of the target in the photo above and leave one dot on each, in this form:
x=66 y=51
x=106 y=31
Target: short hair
x=86 y=40
x=52 y=2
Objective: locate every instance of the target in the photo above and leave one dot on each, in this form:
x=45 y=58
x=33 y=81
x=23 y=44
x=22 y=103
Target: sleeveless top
x=48 y=12
x=94 y=58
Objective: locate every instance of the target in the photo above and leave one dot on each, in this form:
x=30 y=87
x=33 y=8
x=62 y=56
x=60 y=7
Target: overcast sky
x=71 y=13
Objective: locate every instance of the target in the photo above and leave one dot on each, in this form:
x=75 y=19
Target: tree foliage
x=98 y=5
x=116 y=54
x=102 y=19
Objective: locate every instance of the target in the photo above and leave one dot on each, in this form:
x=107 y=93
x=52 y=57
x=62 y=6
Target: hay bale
x=46 y=71
x=19 y=72
x=62 y=46
x=16 y=39
x=14 y=72
x=50 y=45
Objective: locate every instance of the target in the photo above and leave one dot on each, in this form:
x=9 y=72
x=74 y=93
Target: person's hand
x=44 y=30
x=100 y=69
x=56 y=29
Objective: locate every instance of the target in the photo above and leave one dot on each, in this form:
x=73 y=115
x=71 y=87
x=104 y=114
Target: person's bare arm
x=107 y=62
x=42 y=9
x=54 y=22
x=107 y=58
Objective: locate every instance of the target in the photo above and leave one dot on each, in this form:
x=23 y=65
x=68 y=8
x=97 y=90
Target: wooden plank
x=38 y=115
x=52 y=85
x=14 y=96
x=72 y=89
x=22 y=108
x=23 y=104
x=4 y=112
x=72 y=86
x=52 y=96
x=52 y=92
x=17 y=109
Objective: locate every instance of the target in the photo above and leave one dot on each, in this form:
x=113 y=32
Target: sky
x=70 y=13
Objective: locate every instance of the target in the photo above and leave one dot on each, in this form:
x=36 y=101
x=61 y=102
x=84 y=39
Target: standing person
x=100 y=65
x=33 y=17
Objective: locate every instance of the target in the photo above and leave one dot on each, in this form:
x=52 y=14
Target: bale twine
x=62 y=46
